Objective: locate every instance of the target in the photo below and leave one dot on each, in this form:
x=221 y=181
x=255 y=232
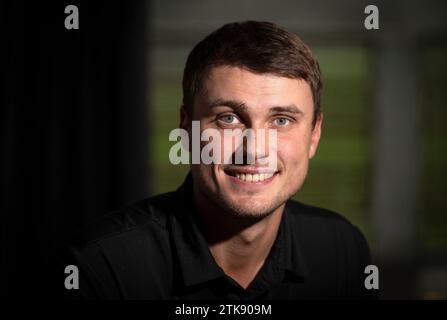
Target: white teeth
x=253 y=177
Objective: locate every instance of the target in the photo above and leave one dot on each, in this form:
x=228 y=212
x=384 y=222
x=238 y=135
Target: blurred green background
x=434 y=149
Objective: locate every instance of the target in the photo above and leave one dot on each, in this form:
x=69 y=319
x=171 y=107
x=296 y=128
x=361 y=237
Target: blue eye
x=229 y=118
x=281 y=122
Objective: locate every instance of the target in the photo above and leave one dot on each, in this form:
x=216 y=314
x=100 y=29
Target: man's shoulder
x=144 y=216
x=299 y=210
x=334 y=250
x=316 y=222
x=124 y=252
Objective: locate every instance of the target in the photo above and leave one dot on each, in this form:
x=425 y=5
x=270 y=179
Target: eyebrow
x=241 y=106
x=289 y=109
x=236 y=105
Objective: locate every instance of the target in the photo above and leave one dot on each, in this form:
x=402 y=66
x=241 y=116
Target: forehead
x=256 y=90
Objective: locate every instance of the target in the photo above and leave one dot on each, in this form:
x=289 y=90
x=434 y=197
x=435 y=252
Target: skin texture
x=240 y=219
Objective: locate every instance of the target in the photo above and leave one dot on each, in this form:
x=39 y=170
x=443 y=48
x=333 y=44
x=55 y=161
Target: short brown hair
x=261 y=47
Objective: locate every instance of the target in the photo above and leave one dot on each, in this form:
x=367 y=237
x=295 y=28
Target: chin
x=253 y=209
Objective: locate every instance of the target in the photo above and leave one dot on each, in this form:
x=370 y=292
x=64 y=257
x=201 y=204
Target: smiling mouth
x=250 y=177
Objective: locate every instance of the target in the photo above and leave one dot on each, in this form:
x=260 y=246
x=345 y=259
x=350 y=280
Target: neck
x=240 y=245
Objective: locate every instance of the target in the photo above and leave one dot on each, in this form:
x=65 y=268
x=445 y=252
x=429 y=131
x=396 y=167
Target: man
x=230 y=231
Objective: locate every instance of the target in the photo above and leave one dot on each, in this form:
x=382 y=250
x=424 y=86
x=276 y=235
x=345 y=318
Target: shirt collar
x=196 y=261
x=294 y=261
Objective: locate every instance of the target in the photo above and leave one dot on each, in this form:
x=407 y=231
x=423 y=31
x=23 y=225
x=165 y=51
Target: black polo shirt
x=155 y=249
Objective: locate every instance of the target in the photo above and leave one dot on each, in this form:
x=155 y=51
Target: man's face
x=234 y=98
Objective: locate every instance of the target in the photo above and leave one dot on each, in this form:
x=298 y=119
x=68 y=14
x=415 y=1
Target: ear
x=316 y=134
x=185 y=121
x=185 y=124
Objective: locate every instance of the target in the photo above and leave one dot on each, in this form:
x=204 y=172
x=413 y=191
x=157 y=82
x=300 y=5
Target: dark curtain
x=74 y=131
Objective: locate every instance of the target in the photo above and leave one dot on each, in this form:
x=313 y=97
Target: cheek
x=204 y=177
x=204 y=171
x=292 y=148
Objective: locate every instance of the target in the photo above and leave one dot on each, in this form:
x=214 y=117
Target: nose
x=256 y=146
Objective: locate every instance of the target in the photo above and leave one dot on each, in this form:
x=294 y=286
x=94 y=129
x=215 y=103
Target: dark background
x=86 y=116
x=74 y=132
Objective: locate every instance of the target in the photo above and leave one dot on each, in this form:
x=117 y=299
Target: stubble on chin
x=249 y=210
